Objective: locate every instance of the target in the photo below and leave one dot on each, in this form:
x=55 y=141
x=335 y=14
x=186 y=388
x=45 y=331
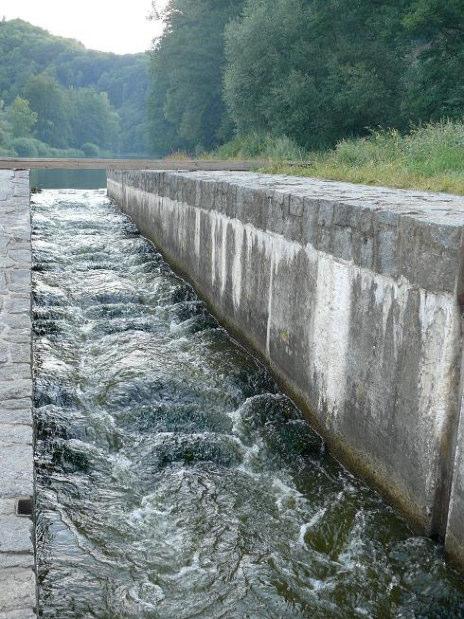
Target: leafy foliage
x=22 y=118
x=77 y=96
x=187 y=107
x=310 y=71
x=48 y=100
x=315 y=71
x=434 y=86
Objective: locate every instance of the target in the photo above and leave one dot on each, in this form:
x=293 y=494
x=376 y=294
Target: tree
x=27 y=52
x=25 y=147
x=22 y=118
x=5 y=131
x=433 y=83
x=48 y=100
x=317 y=70
x=187 y=106
x=90 y=150
x=92 y=119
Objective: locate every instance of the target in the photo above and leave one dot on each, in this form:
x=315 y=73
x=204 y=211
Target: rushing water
x=174 y=480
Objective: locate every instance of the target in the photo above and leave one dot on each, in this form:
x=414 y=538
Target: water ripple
x=174 y=480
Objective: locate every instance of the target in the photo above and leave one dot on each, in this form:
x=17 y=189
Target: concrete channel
x=353 y=296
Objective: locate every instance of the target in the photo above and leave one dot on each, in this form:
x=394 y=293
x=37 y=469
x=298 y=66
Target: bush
x=43 y=150
x=7 y=152
x=262 y=146
x=90 y=150
x=30 y=147
x=67 y=153
x=25 y=147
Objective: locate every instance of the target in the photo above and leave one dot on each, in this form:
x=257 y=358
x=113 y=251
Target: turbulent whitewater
x=174 y=480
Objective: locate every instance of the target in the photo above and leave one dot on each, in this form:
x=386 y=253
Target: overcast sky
x=107 y=25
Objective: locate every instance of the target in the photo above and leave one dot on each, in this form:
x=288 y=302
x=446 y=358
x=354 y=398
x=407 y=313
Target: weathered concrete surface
x=17 y=573
x=351 y=294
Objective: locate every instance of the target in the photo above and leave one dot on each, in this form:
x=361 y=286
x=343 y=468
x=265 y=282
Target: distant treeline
x=315 y=71
x=58 y=98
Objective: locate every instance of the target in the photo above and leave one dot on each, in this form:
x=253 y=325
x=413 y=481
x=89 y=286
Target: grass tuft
x=429 y=157
x=262 y=146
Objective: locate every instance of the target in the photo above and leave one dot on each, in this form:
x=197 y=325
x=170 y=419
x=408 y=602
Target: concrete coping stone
x=410 y=236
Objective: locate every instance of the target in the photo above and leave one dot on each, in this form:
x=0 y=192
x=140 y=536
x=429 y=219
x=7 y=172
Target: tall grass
x=430 y=157
x=262 y=146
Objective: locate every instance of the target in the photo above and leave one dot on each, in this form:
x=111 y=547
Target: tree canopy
x=187 y=106
x=306 y=72
x=76 y=96
x=315 y=71
x=22 y=118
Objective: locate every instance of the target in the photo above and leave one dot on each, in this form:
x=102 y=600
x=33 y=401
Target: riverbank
x=429 y=158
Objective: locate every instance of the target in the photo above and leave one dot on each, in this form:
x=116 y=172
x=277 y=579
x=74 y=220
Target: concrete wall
x=351 y=295
x=17 y=576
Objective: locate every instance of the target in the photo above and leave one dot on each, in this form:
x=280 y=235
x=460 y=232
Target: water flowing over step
x=174 y=480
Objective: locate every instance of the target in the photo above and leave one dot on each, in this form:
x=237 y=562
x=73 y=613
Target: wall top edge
x=432 y=208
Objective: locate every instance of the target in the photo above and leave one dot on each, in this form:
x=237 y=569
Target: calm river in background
x=174 y=480
x=62 y=179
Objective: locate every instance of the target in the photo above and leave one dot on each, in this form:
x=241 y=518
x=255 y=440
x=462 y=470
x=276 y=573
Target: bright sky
x=119 y=26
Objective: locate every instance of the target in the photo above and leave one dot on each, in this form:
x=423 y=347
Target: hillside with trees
x=58 y=98
x=309 y=72
x=250 y=78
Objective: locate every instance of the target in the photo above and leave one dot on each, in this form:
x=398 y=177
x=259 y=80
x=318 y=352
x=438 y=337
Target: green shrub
x=90 y=150
x=262 y=146
x=7 y=152
x=43 y=150
x=25 y=147
x=67 y=153
x=31 y=147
